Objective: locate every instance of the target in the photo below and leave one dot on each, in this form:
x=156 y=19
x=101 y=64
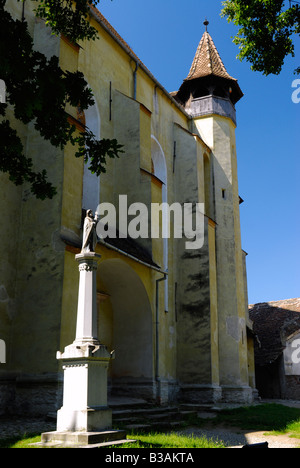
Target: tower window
x=224 y=194
x=201 y=92
x=220 y=92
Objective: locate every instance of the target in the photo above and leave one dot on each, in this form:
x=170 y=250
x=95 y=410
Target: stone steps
x=110 y=444
x=144 y=413
x=151 y=418
x=198 y=407
x=90 y=446
x=132 y=415
x=84 y=439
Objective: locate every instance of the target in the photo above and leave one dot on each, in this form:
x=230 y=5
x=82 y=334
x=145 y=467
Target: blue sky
x=165 y=35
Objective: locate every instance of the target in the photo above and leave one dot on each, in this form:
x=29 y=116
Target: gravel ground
x=10 y=427
x=236 y=438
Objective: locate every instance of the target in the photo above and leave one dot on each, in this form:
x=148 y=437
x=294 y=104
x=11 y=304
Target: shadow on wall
x=132 y=321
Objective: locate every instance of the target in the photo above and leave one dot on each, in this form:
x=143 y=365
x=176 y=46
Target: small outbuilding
x=276 y=326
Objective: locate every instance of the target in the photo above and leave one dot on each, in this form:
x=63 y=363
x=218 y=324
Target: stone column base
x=167 y=391
x=85 y=407
x=82 y=439
x=206 y=394
x=237 y=394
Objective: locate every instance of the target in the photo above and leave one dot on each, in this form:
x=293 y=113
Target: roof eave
x=140 y=63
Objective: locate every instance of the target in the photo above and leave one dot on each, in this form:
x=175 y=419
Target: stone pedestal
x=85 y=364
x=85 y=406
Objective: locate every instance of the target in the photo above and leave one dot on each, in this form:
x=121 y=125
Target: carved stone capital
x=88 y=266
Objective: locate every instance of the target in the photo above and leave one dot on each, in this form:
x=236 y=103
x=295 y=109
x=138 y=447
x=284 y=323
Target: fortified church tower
x=209 y=95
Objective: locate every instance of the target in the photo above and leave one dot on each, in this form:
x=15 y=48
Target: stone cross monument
x=85 y=362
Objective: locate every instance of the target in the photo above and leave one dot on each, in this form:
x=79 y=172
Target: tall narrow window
x=91 y=182
x=2 y=352
x=159 y=169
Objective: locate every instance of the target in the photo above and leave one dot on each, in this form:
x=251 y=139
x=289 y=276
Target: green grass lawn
x=173 y=440
x=274 y=418
x=151 y=440
x=20 y=442
x=270 y=418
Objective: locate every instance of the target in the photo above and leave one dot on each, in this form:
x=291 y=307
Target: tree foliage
x=266 y=30
x=38 y=91
x=62 y=17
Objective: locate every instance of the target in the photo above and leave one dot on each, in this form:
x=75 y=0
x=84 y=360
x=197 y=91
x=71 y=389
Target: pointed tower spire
x=207 y=60
x=208 y=75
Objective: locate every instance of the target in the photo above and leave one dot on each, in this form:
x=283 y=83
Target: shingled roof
x=208 y=75
x=273 y=323
x=207 y=61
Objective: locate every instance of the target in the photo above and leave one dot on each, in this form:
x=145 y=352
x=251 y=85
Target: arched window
x=2 y=352
x=91 y=182
x=207 y=185
x=159 y=169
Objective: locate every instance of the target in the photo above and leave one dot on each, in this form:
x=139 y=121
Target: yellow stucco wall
x=213 y=304
x=219 y=133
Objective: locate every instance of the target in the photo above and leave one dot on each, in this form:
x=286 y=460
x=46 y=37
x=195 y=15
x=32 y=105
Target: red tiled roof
x=207 y=61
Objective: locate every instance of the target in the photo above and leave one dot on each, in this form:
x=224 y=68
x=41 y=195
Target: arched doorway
x=125 y=325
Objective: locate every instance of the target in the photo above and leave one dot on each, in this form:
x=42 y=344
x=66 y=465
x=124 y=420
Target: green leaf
x=39 y=90
x=266 y=31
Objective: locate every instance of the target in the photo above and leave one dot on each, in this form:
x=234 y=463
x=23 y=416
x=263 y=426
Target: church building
x=176 y=318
